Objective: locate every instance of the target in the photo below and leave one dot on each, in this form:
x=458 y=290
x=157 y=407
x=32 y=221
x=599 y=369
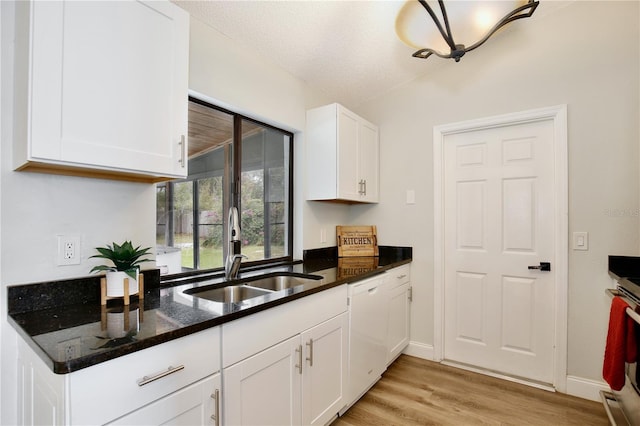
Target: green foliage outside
x=211 y=218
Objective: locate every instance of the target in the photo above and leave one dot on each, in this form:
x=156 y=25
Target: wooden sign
x=357 y=241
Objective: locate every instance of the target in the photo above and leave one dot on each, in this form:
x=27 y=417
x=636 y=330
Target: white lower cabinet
x=379 y=326
x=119 y=387
x=197 y=404
x=399 y=310
x=298 y=381
x=287 y=365
x=264 y=389
x=324 y=370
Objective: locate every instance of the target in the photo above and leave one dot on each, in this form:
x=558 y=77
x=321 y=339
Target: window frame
x=232 y=192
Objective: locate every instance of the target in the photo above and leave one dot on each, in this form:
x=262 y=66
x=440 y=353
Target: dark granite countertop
x=624 y=267
x=66 y=326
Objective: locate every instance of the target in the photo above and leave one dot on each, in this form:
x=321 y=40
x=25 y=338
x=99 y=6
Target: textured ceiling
x=346 y=49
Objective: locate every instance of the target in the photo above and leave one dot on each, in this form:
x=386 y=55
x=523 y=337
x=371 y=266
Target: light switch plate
x=581 y=241
x=411 y=196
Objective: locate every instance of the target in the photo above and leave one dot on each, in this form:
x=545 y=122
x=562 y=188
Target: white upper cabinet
x=342 y=156
x=102 y=89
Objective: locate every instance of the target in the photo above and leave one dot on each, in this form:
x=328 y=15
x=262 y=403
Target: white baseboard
x=585 y=388
x=576 y=386
x=420 y=350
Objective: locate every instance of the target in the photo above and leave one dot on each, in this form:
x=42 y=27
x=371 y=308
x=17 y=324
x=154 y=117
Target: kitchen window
x=233 y=161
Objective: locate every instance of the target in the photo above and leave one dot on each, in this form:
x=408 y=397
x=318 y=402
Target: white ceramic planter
x=115 y=283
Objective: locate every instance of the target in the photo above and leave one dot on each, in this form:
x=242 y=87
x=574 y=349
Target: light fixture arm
x=458 y=50
x=445 y=35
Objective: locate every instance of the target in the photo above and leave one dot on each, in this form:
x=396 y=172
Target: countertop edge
x=76 y=364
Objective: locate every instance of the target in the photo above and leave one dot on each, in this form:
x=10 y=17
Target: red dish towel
x=621 y=344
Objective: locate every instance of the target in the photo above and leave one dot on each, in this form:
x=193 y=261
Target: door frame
x=558 y=114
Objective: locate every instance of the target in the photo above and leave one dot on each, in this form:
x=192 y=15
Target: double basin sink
x=240 y=290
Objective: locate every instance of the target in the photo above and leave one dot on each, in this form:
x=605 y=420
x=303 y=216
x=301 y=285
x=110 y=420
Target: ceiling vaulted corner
x=347 y=50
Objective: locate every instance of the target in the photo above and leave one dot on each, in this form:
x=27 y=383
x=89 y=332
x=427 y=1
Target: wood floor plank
x=414 y=391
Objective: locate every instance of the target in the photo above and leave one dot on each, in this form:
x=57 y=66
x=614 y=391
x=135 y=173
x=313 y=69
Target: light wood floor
x=418 y=392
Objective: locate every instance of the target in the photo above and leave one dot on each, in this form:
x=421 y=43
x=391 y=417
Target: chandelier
x=473 y=21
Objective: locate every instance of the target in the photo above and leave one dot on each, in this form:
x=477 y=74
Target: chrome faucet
x=232 y=266
x=232 y=262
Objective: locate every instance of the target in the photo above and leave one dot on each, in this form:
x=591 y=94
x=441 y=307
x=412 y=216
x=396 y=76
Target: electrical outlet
x=68 y=250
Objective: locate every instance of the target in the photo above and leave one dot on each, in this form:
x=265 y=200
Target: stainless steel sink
x=249 y=288
x=282 y=281
x=229 y=294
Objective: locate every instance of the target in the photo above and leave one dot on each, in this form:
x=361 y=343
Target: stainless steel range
x=623 y=406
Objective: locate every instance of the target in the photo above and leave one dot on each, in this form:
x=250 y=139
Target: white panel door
x=499 y=207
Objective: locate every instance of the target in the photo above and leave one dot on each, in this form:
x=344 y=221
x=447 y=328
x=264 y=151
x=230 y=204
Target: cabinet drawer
x=111 y=389
x=193 y=405
x=398 y=276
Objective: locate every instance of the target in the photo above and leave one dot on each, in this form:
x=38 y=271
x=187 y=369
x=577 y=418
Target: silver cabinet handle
x=310 y=357
x=361 y=187
x=183 y=151
x=216 y=414
x=299 y=364
x=399 y=277
x=364 y=192
x=148 y=379
x=410 y=295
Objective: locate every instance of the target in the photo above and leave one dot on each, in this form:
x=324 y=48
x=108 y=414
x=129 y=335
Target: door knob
x=544 y=266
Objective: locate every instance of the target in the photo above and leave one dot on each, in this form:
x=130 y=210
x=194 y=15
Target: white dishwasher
x=368 y=331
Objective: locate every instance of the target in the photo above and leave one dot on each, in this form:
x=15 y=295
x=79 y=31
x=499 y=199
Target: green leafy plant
x=125 y=258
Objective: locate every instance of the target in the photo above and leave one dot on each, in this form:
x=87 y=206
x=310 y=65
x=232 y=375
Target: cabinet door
x=399 y=321
x=348 y=174
x=109 y=99
x=193 y=405
x=40 y=393
x=324 y=379
x=265 y=388
x=368 y=164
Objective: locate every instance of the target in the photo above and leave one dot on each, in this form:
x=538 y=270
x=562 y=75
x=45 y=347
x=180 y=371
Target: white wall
x=244 y=82
x=585 y=55
x=226 y=74
x=37 y=207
